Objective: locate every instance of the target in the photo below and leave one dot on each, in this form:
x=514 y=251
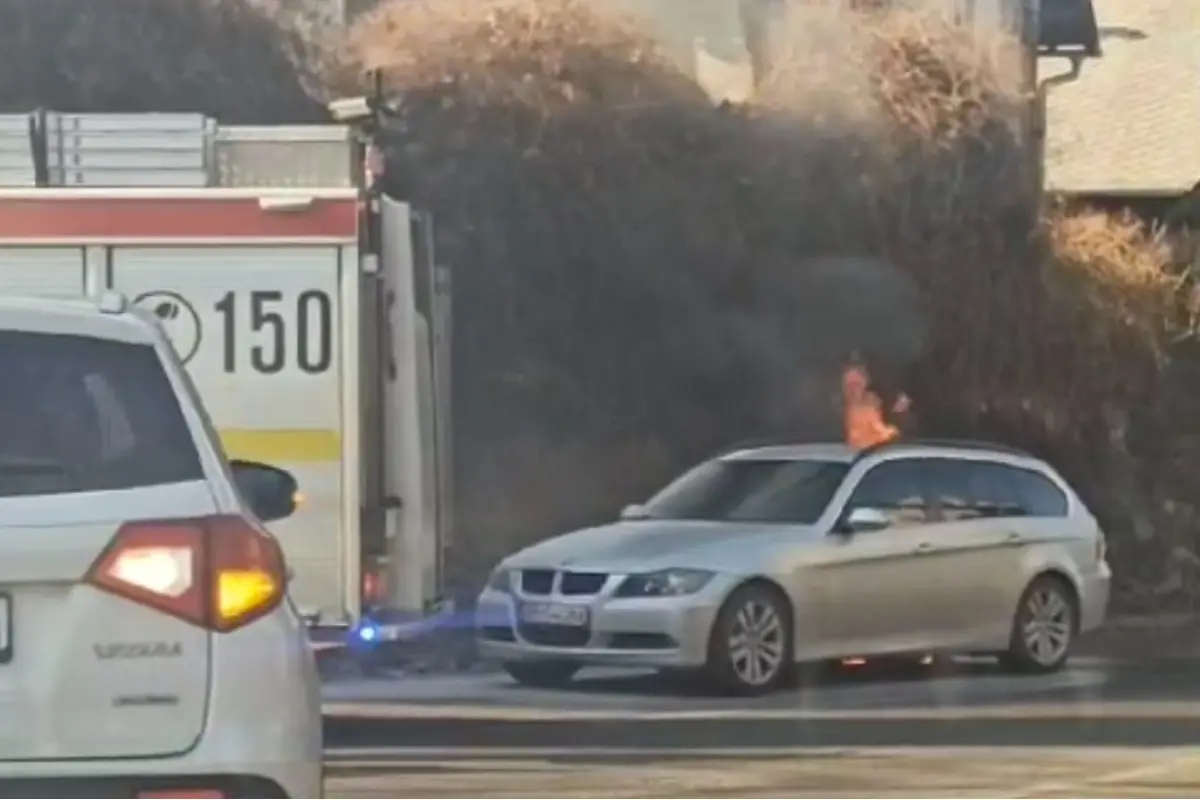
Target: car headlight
x=665 y=583
x=500 y=580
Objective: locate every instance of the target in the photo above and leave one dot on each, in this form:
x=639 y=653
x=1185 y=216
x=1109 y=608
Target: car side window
x=965 y=489
x=1038 y=495
x=896 y=488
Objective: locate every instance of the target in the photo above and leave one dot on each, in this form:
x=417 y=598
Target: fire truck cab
x=315 y=347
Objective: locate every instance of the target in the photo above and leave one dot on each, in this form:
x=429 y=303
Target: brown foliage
x=221 y=57
x=541 y=55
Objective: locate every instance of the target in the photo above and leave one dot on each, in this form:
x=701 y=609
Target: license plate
x=555 y=614
x=5 y=629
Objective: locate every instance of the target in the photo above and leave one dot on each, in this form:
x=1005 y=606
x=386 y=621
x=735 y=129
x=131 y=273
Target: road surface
x=1099 y=730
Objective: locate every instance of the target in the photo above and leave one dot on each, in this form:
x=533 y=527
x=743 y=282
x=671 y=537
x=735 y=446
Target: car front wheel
x=542 y=674
x=751 y=647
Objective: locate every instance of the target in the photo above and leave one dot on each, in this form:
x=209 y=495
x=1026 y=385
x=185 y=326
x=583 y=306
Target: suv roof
x=75 y=306
x=108 y=317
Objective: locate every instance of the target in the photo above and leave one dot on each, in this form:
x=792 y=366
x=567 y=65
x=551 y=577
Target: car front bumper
x=665 y=632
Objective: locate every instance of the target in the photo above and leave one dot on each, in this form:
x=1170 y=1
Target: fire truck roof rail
x=169 y=150
x=17 y=162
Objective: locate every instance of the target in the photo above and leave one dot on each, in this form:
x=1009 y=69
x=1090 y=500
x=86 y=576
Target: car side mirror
x=270 y=492
x=634 y=511
x=863 y=519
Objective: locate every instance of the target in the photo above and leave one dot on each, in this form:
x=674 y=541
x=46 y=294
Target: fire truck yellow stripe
x=282 y=445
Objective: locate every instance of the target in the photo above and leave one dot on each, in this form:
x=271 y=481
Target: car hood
x=642 y=545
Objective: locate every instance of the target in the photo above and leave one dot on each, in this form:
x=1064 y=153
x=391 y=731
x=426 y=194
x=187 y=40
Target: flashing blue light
x=368 y=633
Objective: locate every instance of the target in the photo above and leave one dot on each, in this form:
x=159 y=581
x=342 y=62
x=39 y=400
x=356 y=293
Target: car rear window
x=79 y=414
x=967 y=489
x=1037 y=494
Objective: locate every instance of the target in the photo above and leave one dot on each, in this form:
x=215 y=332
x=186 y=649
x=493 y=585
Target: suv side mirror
x=864 y=519
x=269 y=491
x=634 y=511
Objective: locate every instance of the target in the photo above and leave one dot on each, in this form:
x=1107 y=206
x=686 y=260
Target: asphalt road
x=1098 y=730
x=901 y=773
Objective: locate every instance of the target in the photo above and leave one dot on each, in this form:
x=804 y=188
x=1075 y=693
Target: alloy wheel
x=1048 y=625
x=756 y=643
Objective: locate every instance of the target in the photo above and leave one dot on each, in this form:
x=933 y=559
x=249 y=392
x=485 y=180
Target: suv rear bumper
x=104 y=786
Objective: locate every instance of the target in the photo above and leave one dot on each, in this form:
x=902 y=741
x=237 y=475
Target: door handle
x=1012 y=537
x=924 y=547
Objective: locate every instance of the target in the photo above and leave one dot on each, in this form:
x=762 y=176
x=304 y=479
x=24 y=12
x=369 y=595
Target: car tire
x=759 y=616
x=1044 y=627
x=542 y=674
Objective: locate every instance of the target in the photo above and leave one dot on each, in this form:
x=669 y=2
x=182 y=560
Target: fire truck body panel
x=259 y=291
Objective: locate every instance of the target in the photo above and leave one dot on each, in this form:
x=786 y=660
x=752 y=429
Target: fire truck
x=314 y=323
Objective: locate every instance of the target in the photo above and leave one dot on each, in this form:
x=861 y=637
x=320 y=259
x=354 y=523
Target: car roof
x=815 y=451
x=968 y=450
x=109 y=317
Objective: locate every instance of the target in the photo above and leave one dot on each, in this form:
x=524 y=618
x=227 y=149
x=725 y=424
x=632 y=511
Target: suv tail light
x=217 y=572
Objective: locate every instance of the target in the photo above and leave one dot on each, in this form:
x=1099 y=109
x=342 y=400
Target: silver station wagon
x=765 y=558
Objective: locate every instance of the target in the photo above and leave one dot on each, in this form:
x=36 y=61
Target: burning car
x=761 y=559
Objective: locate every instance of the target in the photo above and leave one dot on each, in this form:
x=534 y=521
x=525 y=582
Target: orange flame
x=863 y=410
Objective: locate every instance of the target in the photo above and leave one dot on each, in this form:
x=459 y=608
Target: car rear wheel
x=1044 y=627
x=544 y=674
x=750 y=648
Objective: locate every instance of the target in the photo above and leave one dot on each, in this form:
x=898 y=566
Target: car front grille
x=555 y=635
x=541 y=582
x=537 y=581
x=581 y=583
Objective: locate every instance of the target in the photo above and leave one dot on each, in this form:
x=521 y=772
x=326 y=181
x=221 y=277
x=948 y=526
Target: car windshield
x=748 y=490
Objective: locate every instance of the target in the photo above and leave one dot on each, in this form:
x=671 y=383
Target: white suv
x=147 y=644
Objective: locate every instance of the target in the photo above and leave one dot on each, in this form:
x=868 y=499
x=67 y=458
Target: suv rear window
x=79 y=414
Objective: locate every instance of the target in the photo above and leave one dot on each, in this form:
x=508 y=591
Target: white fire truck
x=315 y=348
